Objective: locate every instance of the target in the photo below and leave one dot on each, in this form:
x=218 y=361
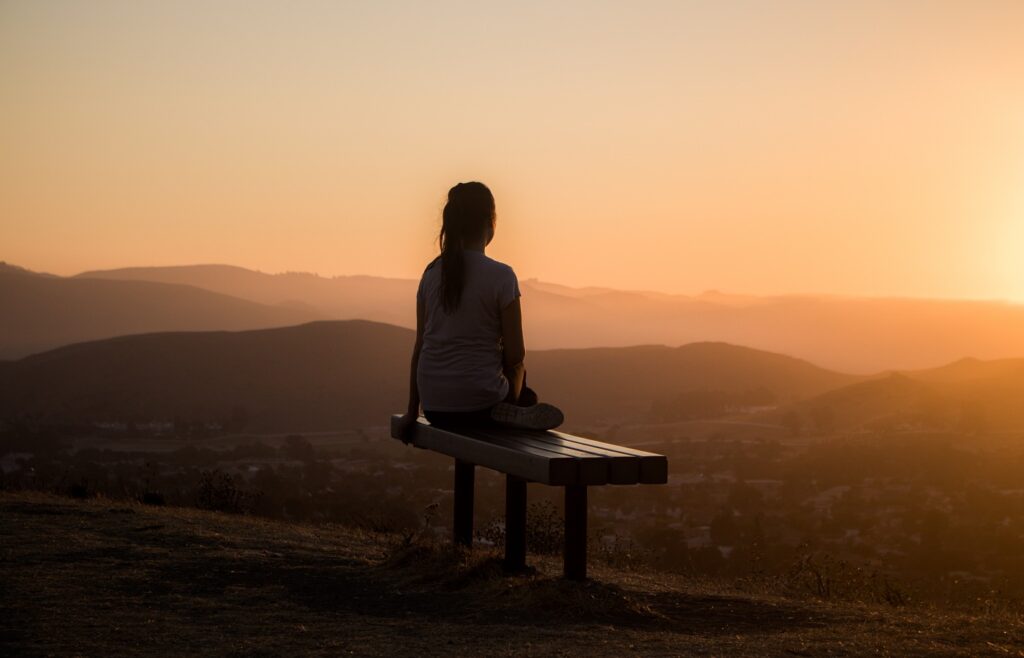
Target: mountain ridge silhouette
x=853 y=334
x=329 y=375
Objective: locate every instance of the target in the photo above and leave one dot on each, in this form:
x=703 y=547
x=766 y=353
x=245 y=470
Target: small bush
x=80 y=491
x=826 y=577
x=152 y=498
x=218 y=492
x=545 y=533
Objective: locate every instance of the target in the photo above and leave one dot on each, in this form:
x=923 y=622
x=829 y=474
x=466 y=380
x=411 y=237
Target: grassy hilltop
x=100 y=577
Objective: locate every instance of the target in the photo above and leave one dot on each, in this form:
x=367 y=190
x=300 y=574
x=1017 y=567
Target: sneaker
x=540 y=416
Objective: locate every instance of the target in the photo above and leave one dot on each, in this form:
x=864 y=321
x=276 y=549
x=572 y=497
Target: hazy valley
x=857 y=335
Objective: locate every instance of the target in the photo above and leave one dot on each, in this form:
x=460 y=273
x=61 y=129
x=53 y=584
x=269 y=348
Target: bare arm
x=514 y=351
x=414 y=392
x=413 y=410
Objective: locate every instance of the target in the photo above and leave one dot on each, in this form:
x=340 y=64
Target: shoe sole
x=540 y=416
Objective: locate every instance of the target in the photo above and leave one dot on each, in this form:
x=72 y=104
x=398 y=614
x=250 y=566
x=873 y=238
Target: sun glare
x=1008 y=259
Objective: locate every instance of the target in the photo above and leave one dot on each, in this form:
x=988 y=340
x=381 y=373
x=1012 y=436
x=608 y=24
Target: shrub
x=80 y=491
x=152 y=498
x=826 y=577
x=544 y=529
x=218 y=492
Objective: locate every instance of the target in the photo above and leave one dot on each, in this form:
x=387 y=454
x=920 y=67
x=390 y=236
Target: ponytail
x=466 y=216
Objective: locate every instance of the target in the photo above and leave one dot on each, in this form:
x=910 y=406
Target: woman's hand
x=405 y=426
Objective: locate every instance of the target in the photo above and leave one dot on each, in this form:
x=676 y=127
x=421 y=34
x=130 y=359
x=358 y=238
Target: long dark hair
x=468 y=215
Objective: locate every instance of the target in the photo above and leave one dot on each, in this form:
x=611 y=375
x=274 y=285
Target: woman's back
x=467 y=362
x=460 y=365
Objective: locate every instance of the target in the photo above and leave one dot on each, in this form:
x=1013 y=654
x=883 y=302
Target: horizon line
x=702 y=293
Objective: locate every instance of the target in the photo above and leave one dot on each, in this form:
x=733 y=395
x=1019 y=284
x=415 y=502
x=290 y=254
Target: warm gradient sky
x=765 y=147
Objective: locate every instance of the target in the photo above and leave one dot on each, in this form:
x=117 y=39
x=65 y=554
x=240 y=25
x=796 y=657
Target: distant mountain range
x=329 y=375
x=339 y=298
x=859 y=335
x=39 y=312
x=862 y=335
x=333 y=375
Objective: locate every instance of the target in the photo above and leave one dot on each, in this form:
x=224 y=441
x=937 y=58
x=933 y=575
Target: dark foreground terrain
x=101 y=578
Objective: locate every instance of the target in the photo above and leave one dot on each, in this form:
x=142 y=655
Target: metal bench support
x=515 y=523
x=575 y=557
x=462 y=514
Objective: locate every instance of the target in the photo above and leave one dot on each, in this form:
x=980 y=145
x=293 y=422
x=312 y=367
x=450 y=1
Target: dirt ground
x=106 y=578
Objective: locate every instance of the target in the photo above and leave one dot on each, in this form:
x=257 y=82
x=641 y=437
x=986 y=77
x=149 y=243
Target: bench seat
x=550 y=457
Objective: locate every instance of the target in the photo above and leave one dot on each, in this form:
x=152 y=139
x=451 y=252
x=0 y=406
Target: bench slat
x=628 y=466
x=530 y=464
x=653 y=467
x=611 y=447
x=591 y=469
x=586 y=471
x=550 y=457
x=622 y=469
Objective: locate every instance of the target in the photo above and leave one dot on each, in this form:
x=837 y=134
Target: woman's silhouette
x=467 y=364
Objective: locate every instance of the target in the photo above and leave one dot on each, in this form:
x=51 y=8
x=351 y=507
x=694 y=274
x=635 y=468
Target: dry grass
x=103 y=578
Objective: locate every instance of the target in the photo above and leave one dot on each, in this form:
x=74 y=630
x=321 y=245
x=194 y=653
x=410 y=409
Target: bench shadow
x=485 y=596
x=170 y=568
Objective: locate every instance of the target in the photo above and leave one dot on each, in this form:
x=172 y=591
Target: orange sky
x=762 y=147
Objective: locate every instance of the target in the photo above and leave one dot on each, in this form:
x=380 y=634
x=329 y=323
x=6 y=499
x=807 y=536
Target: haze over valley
x=849 y=334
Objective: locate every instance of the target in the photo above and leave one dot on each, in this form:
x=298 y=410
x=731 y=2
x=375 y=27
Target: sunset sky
x=759 y=147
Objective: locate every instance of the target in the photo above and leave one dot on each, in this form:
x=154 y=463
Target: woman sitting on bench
x=467 y=364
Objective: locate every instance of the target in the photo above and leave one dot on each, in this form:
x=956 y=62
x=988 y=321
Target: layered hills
x=852 y=334
x=858 y=335
x=323 y=375
x=194 y=342
x=331 y=375
x=339 y=298
x=40 y=312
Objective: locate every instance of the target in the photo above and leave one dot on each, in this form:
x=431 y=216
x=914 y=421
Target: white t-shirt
x=460 y=366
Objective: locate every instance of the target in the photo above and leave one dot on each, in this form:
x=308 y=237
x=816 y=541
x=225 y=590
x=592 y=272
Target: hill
x=322 y=375
x=340 y=298
x=344 y=374
x=8 y=268
x=967 y=395
x=609 y=384
x=888 y=402
x=107 y=578
x=40 y=312
x=967 y=370
x=994 y=402
x=850 y=334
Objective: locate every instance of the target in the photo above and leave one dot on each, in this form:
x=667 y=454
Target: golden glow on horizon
x=762 y=147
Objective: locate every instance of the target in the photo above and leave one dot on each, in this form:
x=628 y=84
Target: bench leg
x=575 y=558
x=515 y=523
x=462 y=515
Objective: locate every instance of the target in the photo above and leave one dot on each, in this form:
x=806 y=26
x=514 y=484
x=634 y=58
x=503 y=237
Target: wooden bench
x=551 y=458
